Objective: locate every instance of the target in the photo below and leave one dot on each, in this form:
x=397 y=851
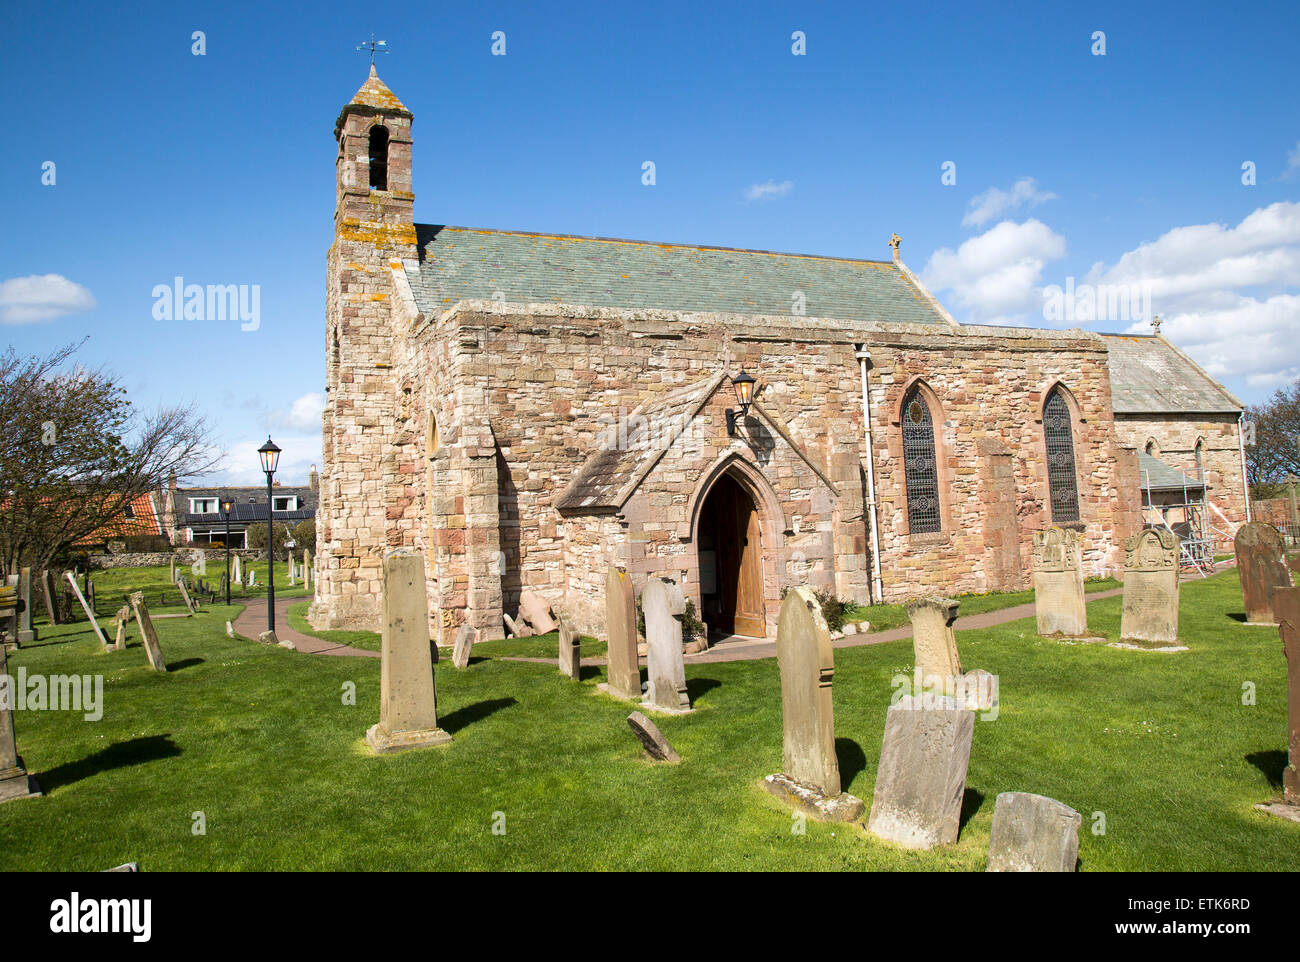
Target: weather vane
x=372 y=46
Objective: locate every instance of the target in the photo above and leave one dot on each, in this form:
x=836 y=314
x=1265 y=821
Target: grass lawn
x=113 y=584
x=261 y=741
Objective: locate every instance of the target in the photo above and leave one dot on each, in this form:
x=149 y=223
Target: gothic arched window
x=379 y=157
x=920 y=466
x=1062 y=477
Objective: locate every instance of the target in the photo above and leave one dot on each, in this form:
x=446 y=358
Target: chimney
x=313 y=480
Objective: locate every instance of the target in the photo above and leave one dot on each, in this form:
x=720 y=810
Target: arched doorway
x=730 y=550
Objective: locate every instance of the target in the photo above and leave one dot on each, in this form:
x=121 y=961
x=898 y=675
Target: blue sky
x=1122 y=169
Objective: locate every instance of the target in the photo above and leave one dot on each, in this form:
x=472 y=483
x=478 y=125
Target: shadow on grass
x=183 y=664
x=134 y=752
x=851 y=758
x=589 y=671
x=477 y=712
x=970 y=804
x=695 y=687
x=1237 y=616
x=1272 y=763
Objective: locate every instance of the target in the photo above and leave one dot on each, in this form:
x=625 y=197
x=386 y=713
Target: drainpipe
x=1241 y=446
x=877 y=590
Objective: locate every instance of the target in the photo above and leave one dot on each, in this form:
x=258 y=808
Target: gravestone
x=123 y=616
x=1058 y=583
x=306 y=572
x=1033 y=833
x=534 y=610
x=922 y=773
x=652 y=739
x=810 y=771
x=1150 y=612
x=663 y=603
x=14 y=780
x=147 y=633
x=933 y=644
x=1262 y=571
x=291 y=568
x=570 y=651
x=171 y=573
x=512 y=627
x=185 y=595
x=9 y=616
x=408 y=706
x=465 y=640
x=85 y=606
x=1286 y=605
x=238 y=569
x=230 y=629
x=620 y=624
x=26 y=633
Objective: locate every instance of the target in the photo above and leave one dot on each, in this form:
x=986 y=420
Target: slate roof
x=243 y=513
x=1148 y=374
x=609 y=476
x=1158 y=476
x=461 y=262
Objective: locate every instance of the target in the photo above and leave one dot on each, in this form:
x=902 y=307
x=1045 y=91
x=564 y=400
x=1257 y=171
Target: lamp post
x=744 y=385
x=226 y=505
x=270 y=456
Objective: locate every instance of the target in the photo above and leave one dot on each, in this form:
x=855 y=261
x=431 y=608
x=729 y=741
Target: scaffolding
x=1194 y=531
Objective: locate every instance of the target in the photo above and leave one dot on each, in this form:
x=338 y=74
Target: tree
x=304 y=532
x=77 y=453
x=256 y=536
x=1274 y=455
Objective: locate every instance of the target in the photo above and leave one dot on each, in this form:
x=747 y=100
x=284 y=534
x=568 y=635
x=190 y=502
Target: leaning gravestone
x=933 y=644
x=408 y=705
x=1150 y=612
x=570 y=651
x=465 y=639
x=50 y=596
x=1058 y=583
x=14 y=780
x=26 y=633
x=663 y=603
x=147 y=633
x=1033 y=833
x=185 y=596
x=922 y=774
x=620 y=624
x=85 y=606
x=123 y=616
x=1262 y=571
x=810 y=771
x=652 y=739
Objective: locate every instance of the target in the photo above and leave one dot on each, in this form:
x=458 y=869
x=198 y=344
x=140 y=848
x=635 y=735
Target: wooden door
x=749 y=583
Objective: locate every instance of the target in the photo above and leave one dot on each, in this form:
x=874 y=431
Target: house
x=195 y=515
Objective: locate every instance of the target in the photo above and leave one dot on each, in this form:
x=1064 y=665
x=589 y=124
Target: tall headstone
x=408 y=705
x=570 y=651
x=620 y=625
x=1261 y=569
x=185 y=595
x=1058 y=583
x=171 y=572
x=85 y=606
x=49 y=596
x=663 y=604
x=922 y=773
x=1033 y=833
x=1286 y=604
x=237 y=569
x=933 y=644
x=26 y=633
x=465 y=639
x=123 y=616
x=14 y=780
x=292 y=570
x=1150 y=612
x=147 y=633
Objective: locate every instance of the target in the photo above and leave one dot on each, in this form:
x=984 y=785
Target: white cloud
x=242 y=466
x=995 y=202
x=769 y=190
x=40 y=297
x=303 y=415
x=995 y=276
x=1292 y=163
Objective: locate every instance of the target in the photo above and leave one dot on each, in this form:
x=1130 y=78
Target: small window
x=130 y=511
x=1062 y=480
x=379 y=157
x=285 y=503
x=203 y=505
x=920 y=466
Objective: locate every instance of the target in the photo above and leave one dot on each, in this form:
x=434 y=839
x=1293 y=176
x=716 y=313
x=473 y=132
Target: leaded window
x=1062 y=477
x=920 y=468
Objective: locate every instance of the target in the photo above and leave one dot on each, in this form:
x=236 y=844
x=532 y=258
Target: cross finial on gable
x=1155 y=324
x=894 y=241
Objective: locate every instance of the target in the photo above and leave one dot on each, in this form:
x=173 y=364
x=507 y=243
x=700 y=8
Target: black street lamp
x=270 y=456
x=226 y=505
x=744 y=385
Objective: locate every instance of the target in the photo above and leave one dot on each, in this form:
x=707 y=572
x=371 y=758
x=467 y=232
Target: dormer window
x=379 y=157
x=288 y=502
x=203 y=505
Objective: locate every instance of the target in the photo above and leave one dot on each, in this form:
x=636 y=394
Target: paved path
x=252 y=622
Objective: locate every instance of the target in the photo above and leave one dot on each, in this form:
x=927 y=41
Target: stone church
x=530 y=408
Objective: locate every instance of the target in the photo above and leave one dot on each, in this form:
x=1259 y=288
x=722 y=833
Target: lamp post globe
x=226 y=505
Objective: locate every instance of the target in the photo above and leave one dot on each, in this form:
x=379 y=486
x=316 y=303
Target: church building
x=529 y=409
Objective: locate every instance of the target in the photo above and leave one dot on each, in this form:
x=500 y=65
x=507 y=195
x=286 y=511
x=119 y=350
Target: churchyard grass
x=260 y=741
x=113 y=584
x=353 y=638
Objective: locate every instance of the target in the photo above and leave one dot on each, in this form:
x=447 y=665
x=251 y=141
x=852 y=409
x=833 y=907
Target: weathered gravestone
x=934 y=646
x=85 y=606
x=171 y=569
x=123 y=616
x=663 y=603
x=50 y=596
x=620 y=624
x=9 y=614
x=652 y=739
x=147 y=633
x=534 y=610
x=1286 y=604
x=1150 y=612
x=1033 y=833
x=1262 y=571
x=26 y=633
x=810 y=770
x=465 y=640
x=236 y=566
x=185 y=595
x=922 y=774
x=1058 y=583
x=570 y=651
x=14 y=780
x=408 y=706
